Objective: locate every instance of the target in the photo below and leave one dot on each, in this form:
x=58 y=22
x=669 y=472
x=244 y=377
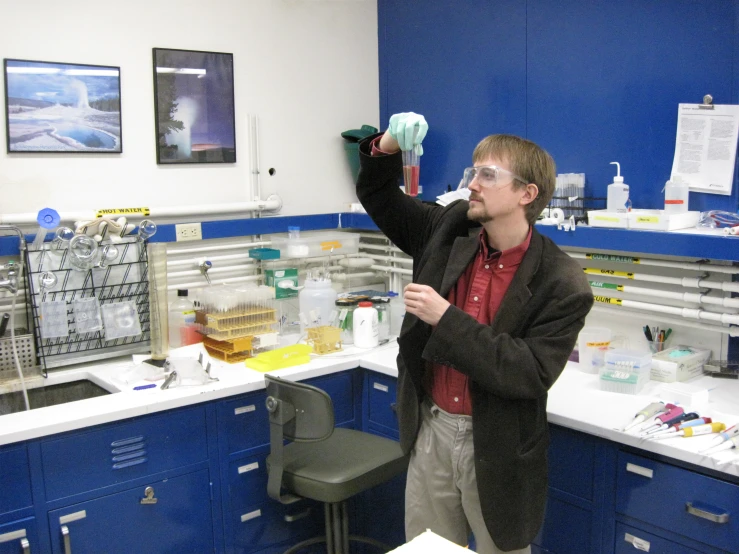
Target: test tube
x=411 y=168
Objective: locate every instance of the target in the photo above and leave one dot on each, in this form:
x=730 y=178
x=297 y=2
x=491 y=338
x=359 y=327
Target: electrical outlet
x=188 y=231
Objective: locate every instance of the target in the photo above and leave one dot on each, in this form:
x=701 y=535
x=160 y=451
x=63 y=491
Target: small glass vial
x=382 y=305
x=346 y=307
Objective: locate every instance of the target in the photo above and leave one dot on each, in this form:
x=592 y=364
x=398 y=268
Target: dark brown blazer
x=511 y=363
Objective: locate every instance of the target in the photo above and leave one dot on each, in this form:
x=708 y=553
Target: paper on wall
x=705 y=147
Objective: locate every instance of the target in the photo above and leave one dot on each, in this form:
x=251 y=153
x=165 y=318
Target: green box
x=285 y=281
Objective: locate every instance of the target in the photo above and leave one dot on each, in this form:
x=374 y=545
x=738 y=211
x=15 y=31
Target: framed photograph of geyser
x=194 y=105
x=53 y=107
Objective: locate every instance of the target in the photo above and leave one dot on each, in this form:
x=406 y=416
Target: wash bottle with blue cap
x=618 y=193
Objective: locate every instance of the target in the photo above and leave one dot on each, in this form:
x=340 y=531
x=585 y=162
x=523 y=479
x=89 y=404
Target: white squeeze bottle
x=181 y=315
x=676 y=195
x=618 y=193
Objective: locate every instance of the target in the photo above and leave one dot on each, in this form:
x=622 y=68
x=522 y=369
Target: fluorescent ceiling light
x=58 y=71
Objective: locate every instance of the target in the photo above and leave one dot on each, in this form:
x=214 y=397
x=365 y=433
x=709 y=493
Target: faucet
x=10 y=280
x=168 y=381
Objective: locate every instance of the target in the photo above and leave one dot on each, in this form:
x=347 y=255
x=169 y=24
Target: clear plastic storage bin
x=625 y=371
x=317 y=244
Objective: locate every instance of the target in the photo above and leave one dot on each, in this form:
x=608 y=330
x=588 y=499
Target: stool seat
x=345 y=464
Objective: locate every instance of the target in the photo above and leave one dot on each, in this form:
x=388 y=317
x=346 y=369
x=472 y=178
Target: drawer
x=631 y=541
x=15 y=486
x=247 y=481
x=111 y=454
x=272 y=523
x=244 y=422
x=571 y=462
x=694 y=505
x=14 y=534
x=381 y=394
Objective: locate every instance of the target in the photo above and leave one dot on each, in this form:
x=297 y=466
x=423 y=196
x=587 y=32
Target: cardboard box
x=285 y=282
x=678 y=363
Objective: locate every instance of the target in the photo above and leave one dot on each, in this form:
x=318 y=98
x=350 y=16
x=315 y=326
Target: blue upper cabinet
x=592 y=82
x=605 y=78
x=460 y=64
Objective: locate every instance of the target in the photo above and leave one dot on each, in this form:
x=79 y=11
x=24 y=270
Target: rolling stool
x=322 y=462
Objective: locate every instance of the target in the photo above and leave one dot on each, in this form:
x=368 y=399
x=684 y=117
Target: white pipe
x=731 y=331
x=271 y=204
x=173 y=250
x=684 y=296
x=347 y=276
x=384 y=248
x=356 y=262
x=688 y=282
x=196 y=261
x=400 y=270
x=657 y=263
x=211 y=271
x=204 y=283
x=390 y=259
x=689 y=313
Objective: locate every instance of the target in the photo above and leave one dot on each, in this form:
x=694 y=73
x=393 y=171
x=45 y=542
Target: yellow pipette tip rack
x=280 y=358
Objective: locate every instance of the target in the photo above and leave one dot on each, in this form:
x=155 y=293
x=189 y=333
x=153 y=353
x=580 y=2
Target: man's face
x=497 y=200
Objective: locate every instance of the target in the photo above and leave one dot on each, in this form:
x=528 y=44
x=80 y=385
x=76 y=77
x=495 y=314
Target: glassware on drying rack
x=83 y=252
x=147 y=229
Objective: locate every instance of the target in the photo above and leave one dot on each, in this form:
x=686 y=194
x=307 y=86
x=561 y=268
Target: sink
x=51 y=395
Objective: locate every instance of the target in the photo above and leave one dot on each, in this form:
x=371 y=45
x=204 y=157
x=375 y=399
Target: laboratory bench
x=183 y=469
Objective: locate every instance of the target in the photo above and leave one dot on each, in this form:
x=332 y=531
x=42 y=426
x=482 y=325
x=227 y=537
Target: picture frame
x=194 y=106
x=54 y=107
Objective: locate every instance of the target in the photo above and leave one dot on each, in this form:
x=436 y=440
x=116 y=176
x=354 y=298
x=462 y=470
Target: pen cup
x=657 y=346
x=593 y=342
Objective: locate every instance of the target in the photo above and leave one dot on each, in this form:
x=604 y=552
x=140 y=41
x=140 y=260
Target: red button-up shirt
x=479 y=292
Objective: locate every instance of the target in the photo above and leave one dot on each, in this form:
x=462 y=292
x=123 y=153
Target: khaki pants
x=441 y=490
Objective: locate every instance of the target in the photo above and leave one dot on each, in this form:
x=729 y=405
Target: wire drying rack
x=123 y=279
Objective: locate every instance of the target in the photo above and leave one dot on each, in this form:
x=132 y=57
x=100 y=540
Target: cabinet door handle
x=26 y=546
x=640 y=470
x=394 y=407
x=705 y=514
x=295 y=517
x=636 y=542
x=67 y=540
x=12 y=536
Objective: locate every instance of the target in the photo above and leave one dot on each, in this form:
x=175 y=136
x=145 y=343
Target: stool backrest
x=306 y=413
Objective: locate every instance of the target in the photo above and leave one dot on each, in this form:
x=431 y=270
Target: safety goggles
x=488 y=176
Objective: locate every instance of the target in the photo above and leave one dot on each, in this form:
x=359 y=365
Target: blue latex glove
x=409 y=129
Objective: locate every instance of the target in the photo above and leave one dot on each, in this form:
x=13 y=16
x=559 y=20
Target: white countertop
x=575 y=401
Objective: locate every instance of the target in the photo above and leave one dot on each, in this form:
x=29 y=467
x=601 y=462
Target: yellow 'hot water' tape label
x=123 y=211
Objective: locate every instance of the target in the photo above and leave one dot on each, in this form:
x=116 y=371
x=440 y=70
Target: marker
x=142 y=387
x=696 y=431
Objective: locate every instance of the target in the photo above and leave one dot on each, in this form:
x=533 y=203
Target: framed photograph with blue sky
x=62 y=107
x=194 y=104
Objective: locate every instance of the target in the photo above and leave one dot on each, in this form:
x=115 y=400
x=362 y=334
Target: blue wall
x=592 y=82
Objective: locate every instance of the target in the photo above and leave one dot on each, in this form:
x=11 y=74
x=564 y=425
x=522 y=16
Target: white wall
x=307 y=69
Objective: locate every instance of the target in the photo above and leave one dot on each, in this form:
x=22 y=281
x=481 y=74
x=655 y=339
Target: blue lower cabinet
x=567 y=527
x=270 y=524
x=15 y=493
x=630 y=541
x=381 y=513
x=19 y=537
x=695 y=506
x=340 y=387
x=380 y=397
x=171 y=515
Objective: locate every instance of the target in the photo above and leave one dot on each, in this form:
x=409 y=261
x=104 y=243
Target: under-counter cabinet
x=18 y=532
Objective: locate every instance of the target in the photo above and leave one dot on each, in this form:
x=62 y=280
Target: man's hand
x=424 y=302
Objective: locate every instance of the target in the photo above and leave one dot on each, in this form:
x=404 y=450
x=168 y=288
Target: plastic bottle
x=317 y=300
x=346 y=307
x=181 y=320
x=676 y=196
x=366 y=326
x=381 y=304
x=397 y=313
x=296 y=248
x=618 y=193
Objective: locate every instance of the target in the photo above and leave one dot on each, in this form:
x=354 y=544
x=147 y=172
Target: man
x=492 y=315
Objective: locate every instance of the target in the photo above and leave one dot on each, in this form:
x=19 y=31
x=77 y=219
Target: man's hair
x=527 y=160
